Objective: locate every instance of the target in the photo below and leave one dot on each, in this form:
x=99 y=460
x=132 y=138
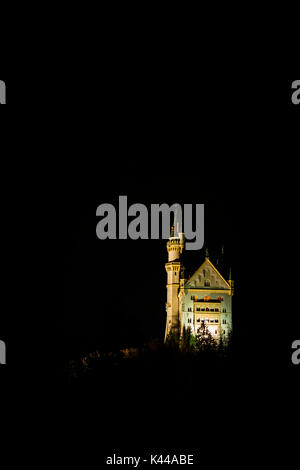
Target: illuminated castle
x=205 y=297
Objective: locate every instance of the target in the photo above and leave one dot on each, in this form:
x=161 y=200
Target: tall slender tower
x=175 y=247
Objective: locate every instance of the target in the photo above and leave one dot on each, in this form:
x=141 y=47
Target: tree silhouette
x=204 y=339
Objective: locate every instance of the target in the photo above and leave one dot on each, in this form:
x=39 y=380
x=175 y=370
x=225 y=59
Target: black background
x=156 y=136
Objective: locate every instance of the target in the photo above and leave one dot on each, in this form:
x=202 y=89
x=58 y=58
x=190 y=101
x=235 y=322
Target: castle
x=204 y=297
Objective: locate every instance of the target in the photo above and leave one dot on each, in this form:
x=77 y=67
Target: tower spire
x=177 y=220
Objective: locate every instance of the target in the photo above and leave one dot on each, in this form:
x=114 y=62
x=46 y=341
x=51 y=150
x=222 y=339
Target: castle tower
x=175 y=247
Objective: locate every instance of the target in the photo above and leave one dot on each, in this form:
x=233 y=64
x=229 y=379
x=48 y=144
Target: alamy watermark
x=296 y=93
x=138 y=227
x=296 y=353
x=2 y=352
x=2 y=92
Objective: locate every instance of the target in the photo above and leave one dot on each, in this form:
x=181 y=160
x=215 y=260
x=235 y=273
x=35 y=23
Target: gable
x=207 y=277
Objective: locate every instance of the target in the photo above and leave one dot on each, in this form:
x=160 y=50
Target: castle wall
x=194 y=309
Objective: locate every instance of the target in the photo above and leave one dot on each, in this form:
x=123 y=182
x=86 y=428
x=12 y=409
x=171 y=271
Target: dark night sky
x=232 y=148
x=223 y=156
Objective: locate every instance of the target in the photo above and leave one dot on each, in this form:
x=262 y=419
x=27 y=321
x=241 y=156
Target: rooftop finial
x=206 y=253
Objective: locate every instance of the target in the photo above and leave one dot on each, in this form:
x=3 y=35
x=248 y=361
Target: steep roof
x=207 y=272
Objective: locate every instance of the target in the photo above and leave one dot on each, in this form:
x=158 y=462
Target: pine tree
x=172 y=339
x=204 y=339
x=186 y=340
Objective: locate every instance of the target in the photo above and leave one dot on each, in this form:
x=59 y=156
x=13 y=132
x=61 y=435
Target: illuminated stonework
x=205 y=296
